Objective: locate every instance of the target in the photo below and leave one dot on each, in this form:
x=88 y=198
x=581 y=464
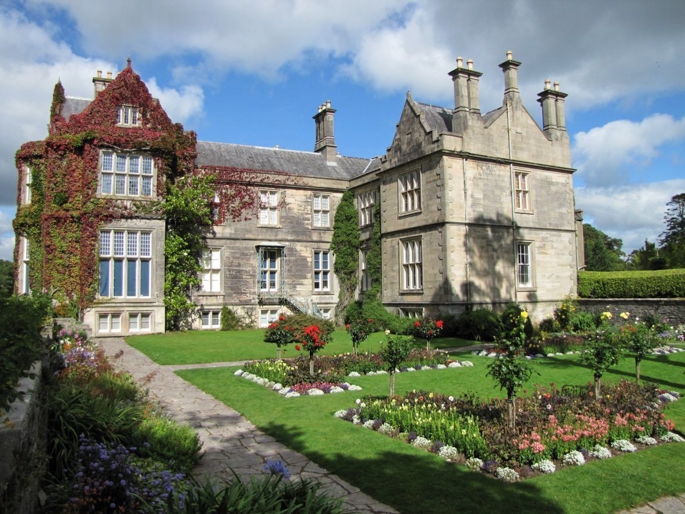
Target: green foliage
x=345 y=245
x=359 y=329
x=480 y=325
x=374 y=257
x=177 y=446
x=188 y=211
x=510 y=370
x=21 y=321
x=6 y=278
x=632 y=284
x=511 y=316
x=647 y=258
x=395 y=351
x=602 y=253
x=602 y=351
x=298 y=322
x=675 y=221
x=582 y=321
x=267 y=495
x=229 y=319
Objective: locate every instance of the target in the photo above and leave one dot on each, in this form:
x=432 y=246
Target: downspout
x=466 y=237
x=513 y=202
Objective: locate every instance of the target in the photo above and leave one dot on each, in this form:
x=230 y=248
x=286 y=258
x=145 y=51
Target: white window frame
x=269 y=208
x=128 y=116
x=28 y=179
x=409 y=188
x=411 y=312
x=365 y=279
x=525 y=265
x=322 y=271
x=210 y=319
x=366 y=203
x=412 y=264
x=125 y=174
x=112 y=322
x=326 y=313
x=270 y=270
x=125 y=253
x=522 y=191
x=321 y=211
x=211 y=270
x=24 y=285
x=139 y=321
x=267 y=317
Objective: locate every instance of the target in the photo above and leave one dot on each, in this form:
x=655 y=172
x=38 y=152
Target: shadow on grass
x=414 y=484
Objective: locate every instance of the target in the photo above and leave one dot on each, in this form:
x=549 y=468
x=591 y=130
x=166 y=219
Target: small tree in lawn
x=312 y=340
x=428 y=328
x=394 y=352
x=280 y=334
x=602 y=350
x=510 y=370
x=359 y=330
x=638 y=339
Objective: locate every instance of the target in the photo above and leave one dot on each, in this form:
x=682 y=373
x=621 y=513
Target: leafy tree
x=647 y=258
x=602 y=351
x=345 y=245
x=6 y=279
x=602 y=253
x=393 y=352
x=672 y=240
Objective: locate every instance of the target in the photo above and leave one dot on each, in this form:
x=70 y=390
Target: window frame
x=110 y=316
x=324 y=213
x=270 y=317
x=140 y=316
x=411 y=278
x=24 y=282
x=366 y=203
x=409 y=192
x=522 y=191
x=528 y=266
x=129 y=116
x=365 y=281
x=269 y=208
x=27 y=195
x=214 y=318
x=211 y=271
x=321 y=276
x=266 y=271
x=116 y=258
x=110 y=178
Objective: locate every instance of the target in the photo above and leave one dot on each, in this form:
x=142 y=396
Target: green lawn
x=196 y=347
x=413 y=481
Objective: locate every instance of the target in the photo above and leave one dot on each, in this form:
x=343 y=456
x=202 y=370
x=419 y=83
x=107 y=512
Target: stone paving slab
x=230 y=441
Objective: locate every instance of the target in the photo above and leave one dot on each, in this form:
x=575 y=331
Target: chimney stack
x=466 y=101
x=100 y=82
x=511 y=81
x=553 y=110
x=325 y=140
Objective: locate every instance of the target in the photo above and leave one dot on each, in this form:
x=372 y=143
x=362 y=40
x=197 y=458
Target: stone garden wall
x=673 y=309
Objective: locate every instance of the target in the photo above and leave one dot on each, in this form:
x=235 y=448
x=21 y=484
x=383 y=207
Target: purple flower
x=276 y=467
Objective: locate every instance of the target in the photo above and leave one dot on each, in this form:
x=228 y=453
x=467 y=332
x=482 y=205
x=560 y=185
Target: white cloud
x=7 y=247
x=632 y=213
x=603 y=153
x=182 y=105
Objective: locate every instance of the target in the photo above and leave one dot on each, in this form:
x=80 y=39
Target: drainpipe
x=513 y=202
x=466 y=237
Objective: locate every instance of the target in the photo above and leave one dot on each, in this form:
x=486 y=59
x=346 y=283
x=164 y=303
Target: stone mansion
x=476 y=210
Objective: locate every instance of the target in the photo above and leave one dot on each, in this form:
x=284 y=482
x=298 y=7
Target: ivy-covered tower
x=90 y=224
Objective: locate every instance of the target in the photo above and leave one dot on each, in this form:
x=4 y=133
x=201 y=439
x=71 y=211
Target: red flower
x=297 y=347
x=370 y=320
x=430 y=332
x=439 y=324
x=281 y=318
x=347 y=327
x=417 y=324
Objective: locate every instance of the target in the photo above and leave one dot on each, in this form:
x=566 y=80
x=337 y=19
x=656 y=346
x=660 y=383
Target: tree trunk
x=279 y=352
x=311 y=366
x=428 y=345
x=598 y=386
x=511 y=410
x=392 y=383
x=637 y=370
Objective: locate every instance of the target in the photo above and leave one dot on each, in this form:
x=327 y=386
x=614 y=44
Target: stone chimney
x=100 y=82
x=466 y=100
x=511 y=81
x=325 y=140
x=553 y=109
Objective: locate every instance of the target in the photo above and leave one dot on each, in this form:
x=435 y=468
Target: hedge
x=632 y=284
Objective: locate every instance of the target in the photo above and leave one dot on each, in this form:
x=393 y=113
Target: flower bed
x=555 y=427
x=303 y=388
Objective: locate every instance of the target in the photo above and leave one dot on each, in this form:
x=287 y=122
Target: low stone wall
x=671 y=309
x=23 y=448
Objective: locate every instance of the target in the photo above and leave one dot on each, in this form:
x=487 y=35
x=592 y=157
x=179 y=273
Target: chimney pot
x=460 y=62
x=556 y=86
x=548 y=84
x=99 y=74
x=510 y=55
x=328 y=104
x=109 y=74
x=469 y=64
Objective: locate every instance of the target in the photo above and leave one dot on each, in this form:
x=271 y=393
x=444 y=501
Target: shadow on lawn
x=421 y=484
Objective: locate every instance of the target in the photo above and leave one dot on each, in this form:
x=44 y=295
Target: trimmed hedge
x=632 y=284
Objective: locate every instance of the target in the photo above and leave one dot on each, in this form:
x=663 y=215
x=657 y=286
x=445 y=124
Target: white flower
x=357 y=401
x=450 y=398
x=545 y=466
x=340 y=413
x=411 y=369
x=442 y=366
x=356 y=420
x=387 y=332
x=649 y=441
x=422 y=443
x=386 y=429
x=624 y=445
x=315 y=392
x=354 y=388
x=573 y=458
x=239 y=372
x=354 y=374
x=507 y=474
x=362 y=405
x=277 y=387
x=600 y=452
x=368 y=424
x=474 y=463
x=336 y=389
x=448 y=452
x=672 y=437
x=292 y=394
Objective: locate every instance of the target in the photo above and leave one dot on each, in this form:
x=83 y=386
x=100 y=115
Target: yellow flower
x=625 y=315
x=524 y=315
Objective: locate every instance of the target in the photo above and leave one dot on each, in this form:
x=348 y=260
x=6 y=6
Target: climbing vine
x=374 y=258
x=345 y=245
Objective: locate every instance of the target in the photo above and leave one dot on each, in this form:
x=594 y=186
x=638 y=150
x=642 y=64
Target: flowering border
x=290 y=392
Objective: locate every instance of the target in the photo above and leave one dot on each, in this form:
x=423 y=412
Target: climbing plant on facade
x=345 y=245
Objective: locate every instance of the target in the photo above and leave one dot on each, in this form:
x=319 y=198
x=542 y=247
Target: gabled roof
x=308 y=164
x=73 y=106
x=437 y=117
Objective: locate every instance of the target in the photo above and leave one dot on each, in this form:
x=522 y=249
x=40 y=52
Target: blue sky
x=255 y=73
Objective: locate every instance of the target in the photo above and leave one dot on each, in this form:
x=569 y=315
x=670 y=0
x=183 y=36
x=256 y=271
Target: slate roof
x=437 y=117
x=73 y=106
x=308 y=164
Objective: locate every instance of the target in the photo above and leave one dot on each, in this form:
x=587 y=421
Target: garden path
x=228 y=438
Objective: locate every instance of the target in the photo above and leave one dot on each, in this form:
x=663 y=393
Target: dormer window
x=126 y=174
x=128 y=116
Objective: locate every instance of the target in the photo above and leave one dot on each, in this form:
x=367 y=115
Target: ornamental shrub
x=298 y=322
x=510 y=319
x=480 y=325
x=229 y=319
x=632 y=284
